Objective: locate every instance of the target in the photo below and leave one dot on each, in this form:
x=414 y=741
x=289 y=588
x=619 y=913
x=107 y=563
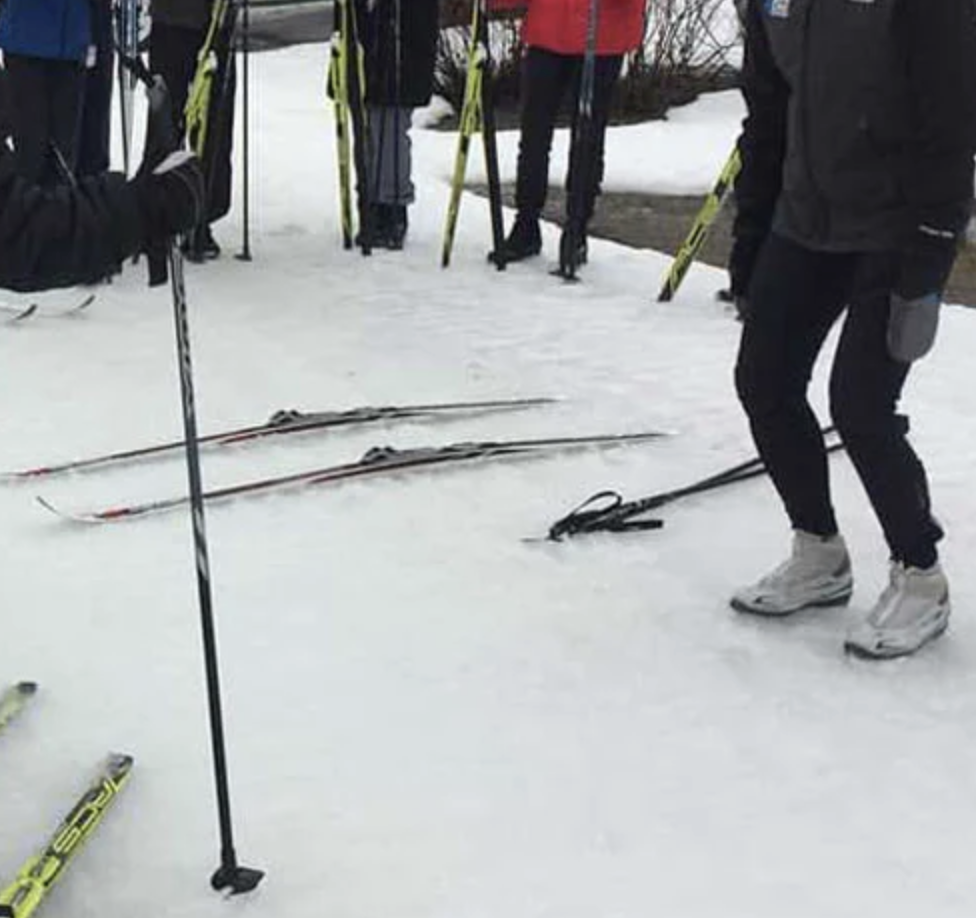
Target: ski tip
x=25 y=313
x=59 y=513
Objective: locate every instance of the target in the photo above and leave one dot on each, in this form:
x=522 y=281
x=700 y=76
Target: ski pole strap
x=604 y=511
x=607 y=511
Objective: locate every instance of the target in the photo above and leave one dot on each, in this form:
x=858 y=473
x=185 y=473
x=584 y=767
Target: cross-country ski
x=13 y=315
x=381 y=460
x=286 y=421
x=13 y=700
x=21 y=897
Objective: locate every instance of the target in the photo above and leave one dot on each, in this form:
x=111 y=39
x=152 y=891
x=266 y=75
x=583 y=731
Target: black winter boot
x=567 y=259
x=200 y=245
x=524 y=241
x=397 y=231
x=378 y=226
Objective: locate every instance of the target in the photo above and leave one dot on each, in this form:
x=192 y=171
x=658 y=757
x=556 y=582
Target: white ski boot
x=912 y=610
x=818 y=573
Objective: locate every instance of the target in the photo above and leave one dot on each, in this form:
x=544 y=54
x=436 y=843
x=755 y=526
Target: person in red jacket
x=555 y=33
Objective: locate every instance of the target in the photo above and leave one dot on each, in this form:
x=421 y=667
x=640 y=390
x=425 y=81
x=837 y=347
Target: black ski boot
x=378 y=227
x=201 y=246
x=524 y=241
x=397 y=226
x=571 y=260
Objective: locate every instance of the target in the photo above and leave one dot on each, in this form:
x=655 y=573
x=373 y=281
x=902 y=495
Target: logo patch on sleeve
x=780 y=9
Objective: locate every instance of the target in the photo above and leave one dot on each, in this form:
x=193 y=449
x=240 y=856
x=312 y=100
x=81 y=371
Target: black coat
x=413 y=84
x=64 y=236
x=861 y=122
x=187 y=14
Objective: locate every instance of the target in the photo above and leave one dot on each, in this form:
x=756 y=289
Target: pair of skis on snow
x=22 y=896
x=14 y=315
x=376 y=461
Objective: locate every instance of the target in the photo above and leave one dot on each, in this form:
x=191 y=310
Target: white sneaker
x=912 y=610
x=818 y=573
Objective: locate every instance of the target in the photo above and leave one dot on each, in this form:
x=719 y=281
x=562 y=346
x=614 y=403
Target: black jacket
x=185 y=14
x=861 y=122
x=412 y=85
x=64 y=236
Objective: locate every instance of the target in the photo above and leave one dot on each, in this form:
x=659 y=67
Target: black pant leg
x=30 y=116
x=587 y=153
x=545 y=78
x=173 y=55
x=94 y=139
x=795 y=297
x=865 y=386
x=65 y=85
x=220 y=134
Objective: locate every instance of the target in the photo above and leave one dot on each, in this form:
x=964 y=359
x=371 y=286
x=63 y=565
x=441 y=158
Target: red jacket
x=560 y=25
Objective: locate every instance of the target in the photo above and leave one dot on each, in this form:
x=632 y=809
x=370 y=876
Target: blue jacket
x=50 y=29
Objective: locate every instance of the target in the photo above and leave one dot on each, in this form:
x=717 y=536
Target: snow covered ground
x=426 y=716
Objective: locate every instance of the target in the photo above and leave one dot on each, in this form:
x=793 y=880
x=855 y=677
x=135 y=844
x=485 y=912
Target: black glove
x=742 y=259
x=171 y=195
x=916 y=298
x=927 y=260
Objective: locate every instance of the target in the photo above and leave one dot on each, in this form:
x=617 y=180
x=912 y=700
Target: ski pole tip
x=235 y=880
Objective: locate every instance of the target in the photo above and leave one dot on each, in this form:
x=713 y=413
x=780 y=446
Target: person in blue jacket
x=46 y=45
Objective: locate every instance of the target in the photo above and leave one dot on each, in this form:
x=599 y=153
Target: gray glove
x=924 y=270
x=912 y=324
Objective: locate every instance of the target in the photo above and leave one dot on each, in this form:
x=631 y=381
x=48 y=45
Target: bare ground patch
x=660 y=222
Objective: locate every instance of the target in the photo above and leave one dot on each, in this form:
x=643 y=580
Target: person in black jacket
x=855 y=191
x=399 y=38
x=70 y=234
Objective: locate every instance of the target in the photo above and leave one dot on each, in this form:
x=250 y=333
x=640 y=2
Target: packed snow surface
x=428 y=717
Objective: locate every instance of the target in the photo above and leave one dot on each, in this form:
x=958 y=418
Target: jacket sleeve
x=64 y=236
x=938 y=42
x=762 y=148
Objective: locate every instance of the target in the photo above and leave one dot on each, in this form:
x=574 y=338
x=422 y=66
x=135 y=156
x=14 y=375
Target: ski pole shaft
x=229 y=875
x=245 y=253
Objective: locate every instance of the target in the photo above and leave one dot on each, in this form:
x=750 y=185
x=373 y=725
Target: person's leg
x=545 y=78
x=94 y=141
x=173 y=55
x=393 y=189
x=795 y=296
x=65 y=83
x=29 y=115
x=865 y=386
x=587 y=154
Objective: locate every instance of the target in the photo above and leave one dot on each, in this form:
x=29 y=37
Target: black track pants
x=546 y=77
x=45 y=97
x=795 y=297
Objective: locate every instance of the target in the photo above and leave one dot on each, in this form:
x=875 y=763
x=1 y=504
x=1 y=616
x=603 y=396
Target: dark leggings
x=45 y=98
x=546 y=77
x=795 y=297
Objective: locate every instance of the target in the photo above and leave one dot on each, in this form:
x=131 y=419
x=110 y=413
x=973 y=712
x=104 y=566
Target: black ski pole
x=161 y=138
x=490 y=142
x=582 y=156
x=229 y=875
x=245 y=253
x=607 y=511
